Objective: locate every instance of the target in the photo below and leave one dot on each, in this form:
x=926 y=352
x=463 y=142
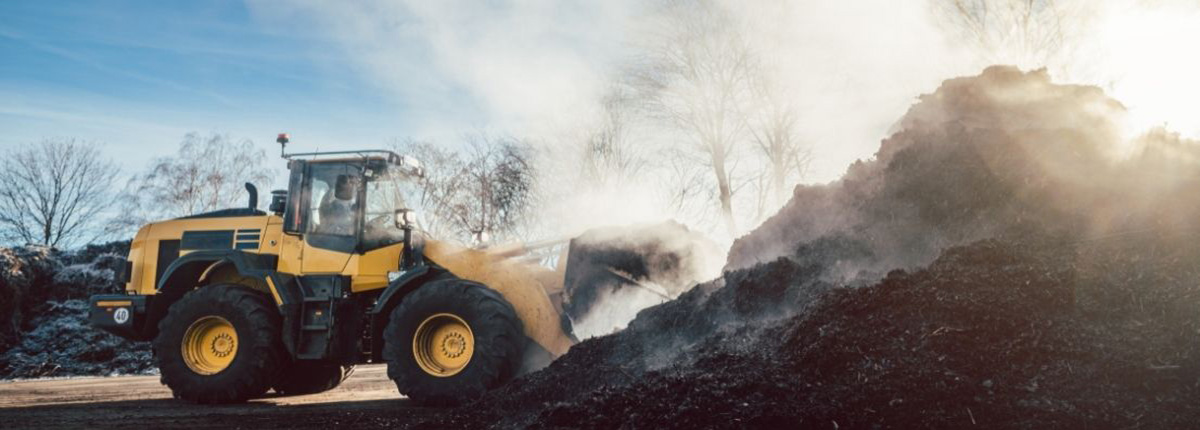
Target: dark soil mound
x=995 y=335
x=60 y=342
x=991 y=335
x=24 y=272
x=43 y=295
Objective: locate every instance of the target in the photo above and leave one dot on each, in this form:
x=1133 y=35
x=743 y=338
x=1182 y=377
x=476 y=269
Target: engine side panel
x=160 y=244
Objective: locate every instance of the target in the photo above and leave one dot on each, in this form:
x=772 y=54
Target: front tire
x=450 y=341
x=220 y=344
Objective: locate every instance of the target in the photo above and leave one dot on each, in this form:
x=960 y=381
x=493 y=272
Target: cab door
x=328 y=216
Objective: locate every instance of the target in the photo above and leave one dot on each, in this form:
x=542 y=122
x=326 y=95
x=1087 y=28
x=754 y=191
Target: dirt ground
x=142 y=402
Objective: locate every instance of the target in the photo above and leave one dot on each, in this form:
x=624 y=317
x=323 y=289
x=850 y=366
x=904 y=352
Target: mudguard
x=181 y=276
x=408 y=281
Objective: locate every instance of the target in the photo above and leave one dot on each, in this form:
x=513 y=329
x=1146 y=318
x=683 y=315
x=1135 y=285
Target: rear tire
x=241 y=328
x=442 y=321
x=310 y=378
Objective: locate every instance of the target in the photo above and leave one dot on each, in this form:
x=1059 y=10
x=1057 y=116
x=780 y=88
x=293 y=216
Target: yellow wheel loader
x=239 y=302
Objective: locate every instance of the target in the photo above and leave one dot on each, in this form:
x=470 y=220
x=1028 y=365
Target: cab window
x=334 y=206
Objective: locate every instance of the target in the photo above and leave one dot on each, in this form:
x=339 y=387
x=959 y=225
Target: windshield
x=388 y=190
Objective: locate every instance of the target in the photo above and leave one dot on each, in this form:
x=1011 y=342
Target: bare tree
x=486 y=190
x=772 y=124
x=1029 y=33
x=435 y=197
x=608 y=155
x=54 y=193
x=205 y=175
x=499 y=188
x=694 y=75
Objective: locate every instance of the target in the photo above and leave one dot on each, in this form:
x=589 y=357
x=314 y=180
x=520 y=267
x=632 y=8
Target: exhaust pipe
x=253 y=195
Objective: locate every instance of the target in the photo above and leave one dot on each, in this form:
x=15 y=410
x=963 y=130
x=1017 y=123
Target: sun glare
x=1150 y=61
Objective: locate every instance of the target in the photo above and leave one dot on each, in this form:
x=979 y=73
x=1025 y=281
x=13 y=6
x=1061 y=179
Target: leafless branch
x=206 y=174
x=54 y=193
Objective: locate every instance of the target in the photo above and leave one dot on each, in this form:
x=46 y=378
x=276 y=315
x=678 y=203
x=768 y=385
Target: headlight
x=405 y=218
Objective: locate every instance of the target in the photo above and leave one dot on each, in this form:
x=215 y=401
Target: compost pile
x=43 y=298
x=1007 y=259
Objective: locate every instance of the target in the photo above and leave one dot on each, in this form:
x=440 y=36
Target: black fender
x=183 y=274
x=408 y=281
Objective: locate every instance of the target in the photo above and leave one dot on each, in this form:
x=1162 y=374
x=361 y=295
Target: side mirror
x=405 y=218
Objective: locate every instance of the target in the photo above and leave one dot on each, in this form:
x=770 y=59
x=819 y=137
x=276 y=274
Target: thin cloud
x=89 y=61
x=515 y=65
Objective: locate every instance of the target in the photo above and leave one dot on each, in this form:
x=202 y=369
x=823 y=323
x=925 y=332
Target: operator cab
x=348 y=201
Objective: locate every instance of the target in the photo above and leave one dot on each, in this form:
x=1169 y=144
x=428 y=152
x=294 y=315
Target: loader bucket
x=613 y=272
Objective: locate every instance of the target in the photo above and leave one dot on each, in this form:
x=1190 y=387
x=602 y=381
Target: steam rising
x=542 y=70
x=1004 y=154
x=614 y=309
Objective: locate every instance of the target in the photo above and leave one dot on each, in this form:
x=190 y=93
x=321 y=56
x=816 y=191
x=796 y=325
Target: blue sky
x=136 y=75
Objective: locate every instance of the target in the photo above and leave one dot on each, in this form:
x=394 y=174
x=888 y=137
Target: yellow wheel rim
x=443 y=345
x=209 y=345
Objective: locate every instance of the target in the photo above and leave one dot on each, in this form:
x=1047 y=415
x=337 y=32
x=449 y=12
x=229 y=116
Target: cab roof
x=370 y=157
x=362 y=155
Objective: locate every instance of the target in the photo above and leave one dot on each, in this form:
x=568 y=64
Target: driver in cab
x=338 y=208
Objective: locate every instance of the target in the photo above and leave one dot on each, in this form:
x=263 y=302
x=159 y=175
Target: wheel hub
x=443 y=345
x=453 y=345
x=222 y=346
x=209 y=345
